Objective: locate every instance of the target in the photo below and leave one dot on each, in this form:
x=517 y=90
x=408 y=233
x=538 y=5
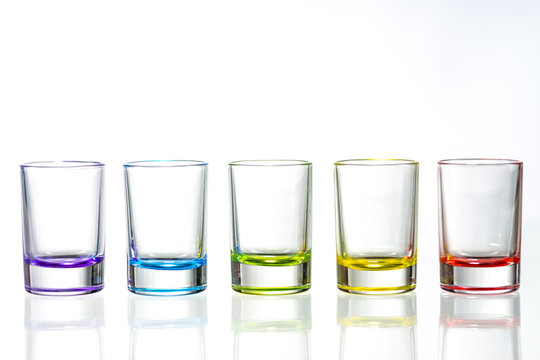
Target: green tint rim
x=271 y=260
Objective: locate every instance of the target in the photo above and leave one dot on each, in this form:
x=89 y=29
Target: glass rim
x=479 y=162
x=62 y=164
x=376 y=162
x=269 y=162
x=165 y=163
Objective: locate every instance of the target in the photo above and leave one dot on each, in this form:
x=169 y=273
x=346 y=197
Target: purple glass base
x=64 y=261
x=63 y=275
x=68 y=292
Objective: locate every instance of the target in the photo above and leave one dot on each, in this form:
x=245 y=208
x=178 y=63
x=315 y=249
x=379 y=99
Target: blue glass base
x=168 y=264
x=167 y=292
x=166 y=277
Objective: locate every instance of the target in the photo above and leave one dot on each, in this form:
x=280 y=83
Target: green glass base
x=271 y=279
x=270 y=291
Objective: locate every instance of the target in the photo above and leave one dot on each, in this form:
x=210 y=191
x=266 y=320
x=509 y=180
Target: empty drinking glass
x=271 y=226
x=166 y=208
x=376 y=212
x=480 y=224
x=62 y=211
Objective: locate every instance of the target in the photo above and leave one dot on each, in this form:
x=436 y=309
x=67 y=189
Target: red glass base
x=480 y=279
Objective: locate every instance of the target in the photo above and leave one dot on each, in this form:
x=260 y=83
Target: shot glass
x=63 y=227
x=166 y=211
x=480 y=327
x=479 y=225
x=376 y=211
x=271 y=226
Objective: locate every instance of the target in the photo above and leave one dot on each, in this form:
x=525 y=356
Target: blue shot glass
x=166 y=208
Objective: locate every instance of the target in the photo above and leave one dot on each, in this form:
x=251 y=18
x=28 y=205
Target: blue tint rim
x=165 y=163
x=187 y=264
x=172 y=292
x=61 y=164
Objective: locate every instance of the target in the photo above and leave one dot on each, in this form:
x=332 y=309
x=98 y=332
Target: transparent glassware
x=381 y=327
x=64 y=328
x=480 y=327
x=480 y=224
x=271 y=226
x=170 y=327
x=269 y=328
x=166 y=212
x=376 y=225
x=62 y=217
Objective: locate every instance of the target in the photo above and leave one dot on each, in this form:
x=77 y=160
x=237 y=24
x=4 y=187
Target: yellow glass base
x=376 y=264
x=376 y=275
x=376 y=290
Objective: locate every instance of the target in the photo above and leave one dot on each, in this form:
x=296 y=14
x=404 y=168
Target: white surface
x=116 y=81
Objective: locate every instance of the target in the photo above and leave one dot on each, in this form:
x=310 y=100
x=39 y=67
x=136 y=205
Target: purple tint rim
x=74 y=290
x=165 y=163
x=67 y=264
x=479 y=162
x=62 y=164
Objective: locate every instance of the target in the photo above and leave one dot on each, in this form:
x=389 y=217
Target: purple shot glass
x=62 y=218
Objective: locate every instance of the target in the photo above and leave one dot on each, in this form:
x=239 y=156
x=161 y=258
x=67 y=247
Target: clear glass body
x=268 y=328
x=166 y=208
x=380 y=327
x=480 y=327
x=271 y=225
x=480 y=224
x=376 y=227
x=62 y=211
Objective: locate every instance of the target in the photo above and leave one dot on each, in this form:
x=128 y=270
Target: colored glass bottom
x=168 y=264
x=63 y=261
x=376 y=275
x=166 y=277
x=271 y=260
x=63 y=275
x=480 y=275
x=376 y=290
x=271 y=274
x=376 y=264
x=167 y=292
x=479 y=262
x=270 y=290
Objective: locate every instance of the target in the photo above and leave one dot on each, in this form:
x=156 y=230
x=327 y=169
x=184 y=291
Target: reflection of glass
x=377 y=327
x=63 y=328
x=271 y=328
x=167 y=327
x=479 y=327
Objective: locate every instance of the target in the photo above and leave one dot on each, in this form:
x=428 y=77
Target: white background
x=319 y=80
